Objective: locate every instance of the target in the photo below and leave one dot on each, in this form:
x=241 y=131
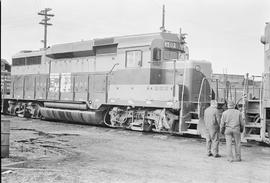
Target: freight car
x=142 y=82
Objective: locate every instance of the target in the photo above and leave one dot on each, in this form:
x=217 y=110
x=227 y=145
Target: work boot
x=209 y=154
x=217 y=156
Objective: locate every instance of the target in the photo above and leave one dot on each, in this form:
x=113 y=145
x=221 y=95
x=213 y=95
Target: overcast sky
x=225 y=32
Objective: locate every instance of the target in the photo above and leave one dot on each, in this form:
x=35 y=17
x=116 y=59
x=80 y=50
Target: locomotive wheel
x=147 y=126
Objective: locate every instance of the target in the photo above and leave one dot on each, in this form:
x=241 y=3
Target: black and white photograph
x=135 y=91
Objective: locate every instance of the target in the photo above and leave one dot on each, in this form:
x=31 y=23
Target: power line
x=45 y=23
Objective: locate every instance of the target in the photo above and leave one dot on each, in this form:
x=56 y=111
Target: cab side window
x=133 y=58
x=156 y=54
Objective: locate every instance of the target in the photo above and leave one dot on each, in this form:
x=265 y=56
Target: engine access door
x=97 y=89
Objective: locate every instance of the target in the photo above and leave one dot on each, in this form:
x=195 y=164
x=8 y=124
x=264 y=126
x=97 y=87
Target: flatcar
x=141 y=82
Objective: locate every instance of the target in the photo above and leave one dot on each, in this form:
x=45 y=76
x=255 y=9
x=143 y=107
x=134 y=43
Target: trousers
x=212 y=140
x=231 y=134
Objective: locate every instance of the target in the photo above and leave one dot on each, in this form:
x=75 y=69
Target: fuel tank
x=94 y=117
x=65 y=105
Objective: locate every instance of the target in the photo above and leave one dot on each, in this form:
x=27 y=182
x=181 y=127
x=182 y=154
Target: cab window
x=156 y=54
x=133 y=58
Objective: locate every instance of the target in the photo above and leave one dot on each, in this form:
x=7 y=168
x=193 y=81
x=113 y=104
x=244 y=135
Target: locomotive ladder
x=254 y=123
x=193 y=122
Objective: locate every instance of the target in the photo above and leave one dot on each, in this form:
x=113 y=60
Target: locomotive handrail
x=113 y=68
x=165 y=61
x=182 y=98
x=244 y=98
x=253 y=85
x=263 y=124
x=107 y=81
x=199 y=98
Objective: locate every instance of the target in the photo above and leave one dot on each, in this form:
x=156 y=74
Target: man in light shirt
x=232 y=125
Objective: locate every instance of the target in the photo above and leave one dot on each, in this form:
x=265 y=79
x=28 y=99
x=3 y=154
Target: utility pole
x=45 y=23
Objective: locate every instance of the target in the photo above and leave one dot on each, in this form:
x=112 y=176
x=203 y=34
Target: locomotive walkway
x=42 y=151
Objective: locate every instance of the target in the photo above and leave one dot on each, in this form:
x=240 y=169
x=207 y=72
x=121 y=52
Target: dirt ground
x=42 y=151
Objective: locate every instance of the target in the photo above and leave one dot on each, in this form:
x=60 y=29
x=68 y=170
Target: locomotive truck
x=141 y=82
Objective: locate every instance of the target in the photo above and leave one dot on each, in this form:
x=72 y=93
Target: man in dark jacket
x=232 y=124
x=212 y=123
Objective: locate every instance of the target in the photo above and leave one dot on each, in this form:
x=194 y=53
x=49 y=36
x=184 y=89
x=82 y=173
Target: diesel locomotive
x=141 y=82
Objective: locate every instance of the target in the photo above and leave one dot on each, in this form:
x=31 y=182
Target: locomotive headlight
x=197 y=68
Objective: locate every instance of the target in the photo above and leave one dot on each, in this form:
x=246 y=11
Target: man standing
x=232 y=124
x=212 y=122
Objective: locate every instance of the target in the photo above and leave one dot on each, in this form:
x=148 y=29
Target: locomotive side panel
x=72 y=65
x=29 y=69
x=99 y=90
x=66 y=87
x=12 y=79
x=29 y=87
x=18 y=83
x=131 y=76
x=87 y=65
x=90 y=87
x=54 y=86
x=159 y=96
x=41 y=86
x=104 y=63
x=81 y=87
